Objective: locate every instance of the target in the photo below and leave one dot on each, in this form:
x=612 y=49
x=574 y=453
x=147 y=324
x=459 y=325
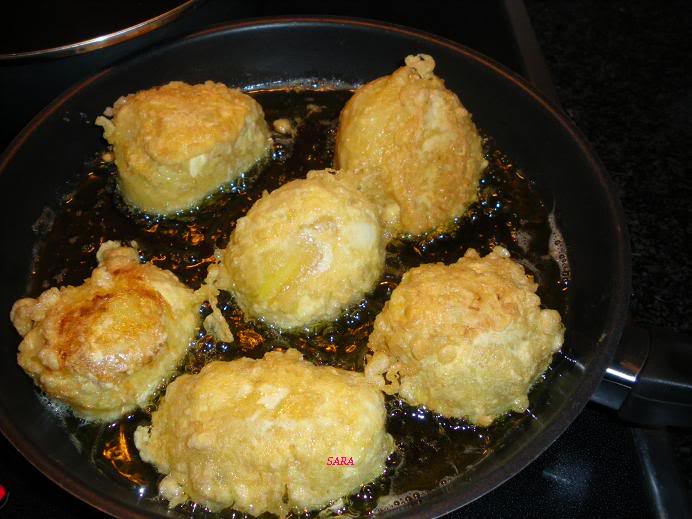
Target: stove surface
x=593 y=469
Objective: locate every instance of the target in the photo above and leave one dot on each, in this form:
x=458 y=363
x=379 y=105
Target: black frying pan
x=39 y=163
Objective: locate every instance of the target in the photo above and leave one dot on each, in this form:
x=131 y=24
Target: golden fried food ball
x=177 y=143
x=303 y=253
x=465 y=340
x=104 y=347
x=259 y=435
x=409 y=144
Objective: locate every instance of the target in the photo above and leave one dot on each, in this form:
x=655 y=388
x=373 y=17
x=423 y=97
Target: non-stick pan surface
x=39 y=165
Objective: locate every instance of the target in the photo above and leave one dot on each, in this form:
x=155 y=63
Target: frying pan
x=37 y=167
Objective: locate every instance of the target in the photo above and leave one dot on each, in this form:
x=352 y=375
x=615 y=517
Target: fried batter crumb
x=466 y=340
x=105 y=346
x=408 y=143
x=259 y=434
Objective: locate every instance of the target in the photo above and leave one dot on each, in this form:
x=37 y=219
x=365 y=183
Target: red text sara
x=340 y=460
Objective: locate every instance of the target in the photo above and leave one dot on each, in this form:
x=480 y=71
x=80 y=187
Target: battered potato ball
x=303 y=253
x=407 y=141
x=177 y=143
x=105 y=346
x=465 y=340
x=259 y=435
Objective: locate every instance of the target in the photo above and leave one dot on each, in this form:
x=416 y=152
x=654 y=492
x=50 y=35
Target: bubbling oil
x=431 y=450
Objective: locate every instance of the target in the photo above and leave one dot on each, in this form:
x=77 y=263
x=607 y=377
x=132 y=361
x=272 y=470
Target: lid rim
x=105 y=40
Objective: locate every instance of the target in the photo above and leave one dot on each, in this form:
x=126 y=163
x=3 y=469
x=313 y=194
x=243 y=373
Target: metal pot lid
x=56 y=29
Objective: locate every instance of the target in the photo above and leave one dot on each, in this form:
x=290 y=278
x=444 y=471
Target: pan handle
x=649 y=380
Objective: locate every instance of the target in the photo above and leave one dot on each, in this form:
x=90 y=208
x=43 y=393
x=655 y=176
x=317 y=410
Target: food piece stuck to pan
x=104 y=347
x=178 y=143
x=465 y=340
x=408 y=143
x=262 y=435
x=303 y=253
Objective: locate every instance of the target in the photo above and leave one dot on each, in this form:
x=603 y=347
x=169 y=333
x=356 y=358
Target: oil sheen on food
x=431 y=450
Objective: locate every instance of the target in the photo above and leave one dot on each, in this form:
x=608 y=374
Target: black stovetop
x=593 y=470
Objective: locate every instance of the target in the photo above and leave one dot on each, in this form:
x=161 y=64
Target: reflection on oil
x=121 y=454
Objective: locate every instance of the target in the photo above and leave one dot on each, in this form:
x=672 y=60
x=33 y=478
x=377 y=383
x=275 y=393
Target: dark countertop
x=623 y=72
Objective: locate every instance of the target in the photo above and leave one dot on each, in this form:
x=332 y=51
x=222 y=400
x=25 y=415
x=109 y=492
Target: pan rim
x=441 y=503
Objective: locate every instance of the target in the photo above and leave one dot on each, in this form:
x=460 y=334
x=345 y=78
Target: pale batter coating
x=104 y=347
x=408 y=143
x=303 y=253
x=465 y=340
x=178 y=143
x=258 y=435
